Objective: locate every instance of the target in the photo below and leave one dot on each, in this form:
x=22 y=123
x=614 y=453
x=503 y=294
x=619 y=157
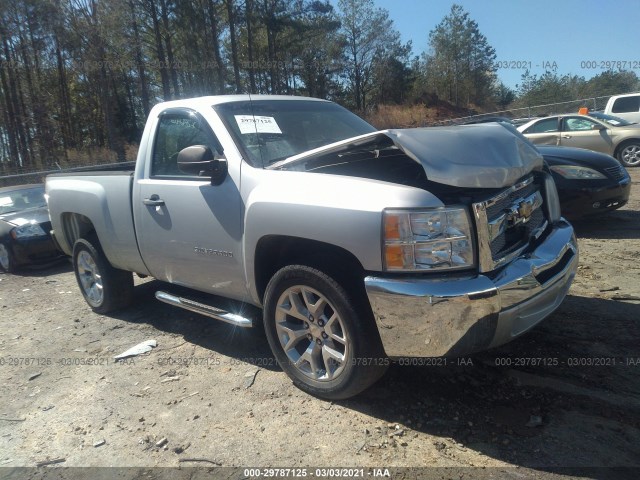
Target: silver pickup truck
x=359 y=246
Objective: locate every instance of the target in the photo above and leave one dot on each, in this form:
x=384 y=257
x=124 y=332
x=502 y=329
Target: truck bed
x=104 y=197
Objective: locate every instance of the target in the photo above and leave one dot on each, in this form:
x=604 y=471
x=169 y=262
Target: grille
x=513 y=238
x=494 y=210
x=617 y=172
x=508 y=229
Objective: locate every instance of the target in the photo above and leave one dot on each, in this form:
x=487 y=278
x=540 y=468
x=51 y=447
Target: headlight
x=28 y=230
x=573 y=172
x=427 y=240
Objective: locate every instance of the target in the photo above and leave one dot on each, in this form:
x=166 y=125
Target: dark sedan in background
x=24 y=227
x=588 y=182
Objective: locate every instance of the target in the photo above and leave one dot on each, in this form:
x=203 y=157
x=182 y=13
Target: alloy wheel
x=90 y=278
x=311 y=333
x=631 y=155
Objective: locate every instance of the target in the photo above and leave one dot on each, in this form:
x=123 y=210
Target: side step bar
x=203 y=309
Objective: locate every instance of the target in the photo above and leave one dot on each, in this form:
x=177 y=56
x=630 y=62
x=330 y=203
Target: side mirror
x=598 y=127
x=201 y=161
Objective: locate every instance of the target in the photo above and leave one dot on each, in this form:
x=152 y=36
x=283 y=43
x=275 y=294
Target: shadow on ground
x=60 y=265
x=546 y=401
x=619 y=224
x=245 y=344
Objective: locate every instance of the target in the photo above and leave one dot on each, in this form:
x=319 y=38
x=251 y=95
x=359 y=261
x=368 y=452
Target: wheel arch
x=623 y=144
x=76 y=226
x=274 y=252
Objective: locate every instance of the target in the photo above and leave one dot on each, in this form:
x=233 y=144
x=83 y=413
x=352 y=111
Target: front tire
x=629 y=153
x=7 y=261
x=104 y=287
x=322 y=342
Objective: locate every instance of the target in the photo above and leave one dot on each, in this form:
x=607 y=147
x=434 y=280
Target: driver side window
x=175 y=132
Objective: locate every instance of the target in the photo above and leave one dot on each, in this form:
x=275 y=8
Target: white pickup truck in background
x=359 y=246
x=624 y=106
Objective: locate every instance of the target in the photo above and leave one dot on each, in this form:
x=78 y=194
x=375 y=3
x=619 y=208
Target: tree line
x=78 y=77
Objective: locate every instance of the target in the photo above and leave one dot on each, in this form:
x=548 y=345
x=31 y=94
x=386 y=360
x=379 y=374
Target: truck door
x=189 y=231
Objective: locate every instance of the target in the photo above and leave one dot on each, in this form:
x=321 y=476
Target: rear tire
x=104 y=287
x=322 y=342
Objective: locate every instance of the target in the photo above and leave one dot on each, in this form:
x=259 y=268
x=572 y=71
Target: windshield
x=268 y=131
x=24 y=199
x=610 y=119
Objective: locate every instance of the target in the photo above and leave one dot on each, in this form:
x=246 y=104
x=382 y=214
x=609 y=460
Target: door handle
x=566 y=136
x=153 y=201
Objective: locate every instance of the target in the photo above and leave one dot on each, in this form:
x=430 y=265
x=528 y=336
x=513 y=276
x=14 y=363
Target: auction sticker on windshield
x=251 y=124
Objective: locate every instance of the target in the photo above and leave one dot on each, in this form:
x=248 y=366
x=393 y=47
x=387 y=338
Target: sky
x=579 y=36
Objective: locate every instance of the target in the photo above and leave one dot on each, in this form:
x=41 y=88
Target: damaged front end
x=490 y=168
x=526 y=255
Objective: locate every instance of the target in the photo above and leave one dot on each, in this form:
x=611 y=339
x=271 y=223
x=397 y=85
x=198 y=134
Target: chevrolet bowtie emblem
x=520 y=213
x=525 y=209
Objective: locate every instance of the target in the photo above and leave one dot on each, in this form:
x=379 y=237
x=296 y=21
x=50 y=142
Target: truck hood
x=491 y=155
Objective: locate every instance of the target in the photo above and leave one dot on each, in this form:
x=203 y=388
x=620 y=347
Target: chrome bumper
x=453 y=316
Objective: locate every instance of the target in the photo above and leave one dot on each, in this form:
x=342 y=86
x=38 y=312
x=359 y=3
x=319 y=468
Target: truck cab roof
x=198 y=103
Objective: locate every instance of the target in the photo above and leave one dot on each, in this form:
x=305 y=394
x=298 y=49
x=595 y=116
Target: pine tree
x=461 y=64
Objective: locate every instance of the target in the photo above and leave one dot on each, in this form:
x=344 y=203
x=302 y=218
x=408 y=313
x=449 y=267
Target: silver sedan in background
x=583 y=131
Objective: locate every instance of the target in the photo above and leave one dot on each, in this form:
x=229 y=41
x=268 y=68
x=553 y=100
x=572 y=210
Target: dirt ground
x=565 y=395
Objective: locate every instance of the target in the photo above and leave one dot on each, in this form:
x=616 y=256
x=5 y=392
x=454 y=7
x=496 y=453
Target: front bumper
x=458 y=315
x=34 y=250
x=589 y=200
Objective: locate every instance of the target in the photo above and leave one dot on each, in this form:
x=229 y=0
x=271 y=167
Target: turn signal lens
x=399 y=256
x=391 y=229
x=397 y=227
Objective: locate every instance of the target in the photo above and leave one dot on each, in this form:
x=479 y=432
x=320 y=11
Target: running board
x=202 y=309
